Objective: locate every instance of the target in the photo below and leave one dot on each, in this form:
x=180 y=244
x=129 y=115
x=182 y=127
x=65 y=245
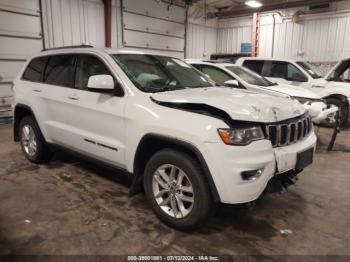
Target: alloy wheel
x=173 y=191
x=28 y=140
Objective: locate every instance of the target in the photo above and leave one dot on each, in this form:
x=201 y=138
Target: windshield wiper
x=272 y=84
x=164 y=88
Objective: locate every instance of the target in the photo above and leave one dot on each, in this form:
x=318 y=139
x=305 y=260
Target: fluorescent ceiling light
x=253 y=3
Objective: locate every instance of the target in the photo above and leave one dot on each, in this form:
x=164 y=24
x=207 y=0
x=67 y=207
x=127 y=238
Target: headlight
x=241 y=135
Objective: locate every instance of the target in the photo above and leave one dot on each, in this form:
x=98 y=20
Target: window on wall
x=255 y=65
x=35 y=70
x=216 y=74
x=60 y=70
x=87 y=66
x=286 y=71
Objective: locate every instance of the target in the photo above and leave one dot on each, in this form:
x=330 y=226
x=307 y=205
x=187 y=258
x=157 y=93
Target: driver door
x=285 y=73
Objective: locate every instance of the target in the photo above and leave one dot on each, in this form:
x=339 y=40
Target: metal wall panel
x=20 y=37
x=151 y=25
x=316 y=38
x=73 y=22
x=156 y=9
x=230 y=39
x=201 y=41
x=233 y=32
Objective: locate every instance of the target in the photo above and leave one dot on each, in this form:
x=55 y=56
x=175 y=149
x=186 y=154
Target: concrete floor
x=72 y=207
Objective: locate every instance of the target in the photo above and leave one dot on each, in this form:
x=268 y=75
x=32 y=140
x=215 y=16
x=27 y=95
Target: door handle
x=37 y=90
x=73 y=97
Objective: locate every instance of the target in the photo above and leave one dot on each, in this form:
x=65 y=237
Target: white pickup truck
x=334 y=88
x=239 y=77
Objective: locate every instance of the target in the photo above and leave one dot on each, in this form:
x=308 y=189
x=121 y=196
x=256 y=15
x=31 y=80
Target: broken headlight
x=241 y=135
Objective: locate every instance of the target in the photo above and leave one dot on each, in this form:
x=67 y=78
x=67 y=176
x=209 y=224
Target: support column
x=108 y=22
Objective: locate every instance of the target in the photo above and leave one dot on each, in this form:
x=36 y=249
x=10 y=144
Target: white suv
x=153 y=116
x=301 y=74
x=227 y=74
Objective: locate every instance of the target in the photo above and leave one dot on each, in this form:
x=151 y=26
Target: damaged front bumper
x=281 y=182
x=319 y=111
x=241 y=174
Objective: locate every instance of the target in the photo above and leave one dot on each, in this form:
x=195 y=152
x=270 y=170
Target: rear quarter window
x=35 y=70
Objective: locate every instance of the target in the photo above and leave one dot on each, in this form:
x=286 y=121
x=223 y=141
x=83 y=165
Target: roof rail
x=66 y=47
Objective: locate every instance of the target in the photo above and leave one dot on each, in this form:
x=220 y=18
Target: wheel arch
x=20 y=111
x=152 y=143
x=340 y=97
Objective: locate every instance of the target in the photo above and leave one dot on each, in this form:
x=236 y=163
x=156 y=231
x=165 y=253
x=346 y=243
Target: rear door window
x=35 y=70
x=60 y=70
x=255 y=65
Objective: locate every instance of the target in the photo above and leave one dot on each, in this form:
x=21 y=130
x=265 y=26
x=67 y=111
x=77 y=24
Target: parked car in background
x=340 y=73
x=229 y=57
x=188 y=144
x=239 y=77
x=301 y=74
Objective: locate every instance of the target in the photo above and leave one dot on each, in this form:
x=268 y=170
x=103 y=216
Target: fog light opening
x=251 y=175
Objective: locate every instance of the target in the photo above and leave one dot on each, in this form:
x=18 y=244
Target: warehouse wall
x=233 y=32
x=316 y=37
x=20 y=36
x=65 y=22
x=150 y=26
x=73 y=22
x=201 y=33
x=201 y=41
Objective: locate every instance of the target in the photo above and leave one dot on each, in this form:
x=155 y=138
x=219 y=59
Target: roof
x=268 y=59
x=77 y=49
x=195 y=61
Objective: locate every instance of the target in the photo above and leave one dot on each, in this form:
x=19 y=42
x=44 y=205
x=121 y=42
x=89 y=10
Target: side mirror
x=232 y=83
x=103 y=84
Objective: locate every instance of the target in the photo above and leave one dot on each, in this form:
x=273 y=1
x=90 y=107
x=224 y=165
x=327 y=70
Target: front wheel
x=343 y=113
x=176 y=188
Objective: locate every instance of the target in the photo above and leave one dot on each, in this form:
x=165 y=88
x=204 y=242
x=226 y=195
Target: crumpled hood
x=238 y=104
x=294 y=91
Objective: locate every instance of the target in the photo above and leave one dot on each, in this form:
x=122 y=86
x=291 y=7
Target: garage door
x=154 y=25
x=20 y=36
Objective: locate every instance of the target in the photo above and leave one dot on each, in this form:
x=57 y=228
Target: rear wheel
x=32 y=141
x=176 y=189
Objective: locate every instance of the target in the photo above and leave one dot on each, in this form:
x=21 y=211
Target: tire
x=198 y=210
x=344 y=111
x=42 y=152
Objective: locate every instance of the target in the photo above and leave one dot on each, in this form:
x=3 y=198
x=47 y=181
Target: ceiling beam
x=271 y=7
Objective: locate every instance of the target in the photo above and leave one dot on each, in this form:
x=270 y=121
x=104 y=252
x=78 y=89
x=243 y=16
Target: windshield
x=311 y=71
x=249 y=76
x=152 y=73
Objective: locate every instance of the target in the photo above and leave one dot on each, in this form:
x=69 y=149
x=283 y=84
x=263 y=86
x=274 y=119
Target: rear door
x=58 y=80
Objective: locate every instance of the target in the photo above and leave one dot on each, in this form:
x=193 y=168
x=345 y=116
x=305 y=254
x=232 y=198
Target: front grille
x=290 y=131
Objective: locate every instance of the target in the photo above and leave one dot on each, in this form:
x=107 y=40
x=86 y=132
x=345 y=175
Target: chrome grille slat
x=283 y=135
